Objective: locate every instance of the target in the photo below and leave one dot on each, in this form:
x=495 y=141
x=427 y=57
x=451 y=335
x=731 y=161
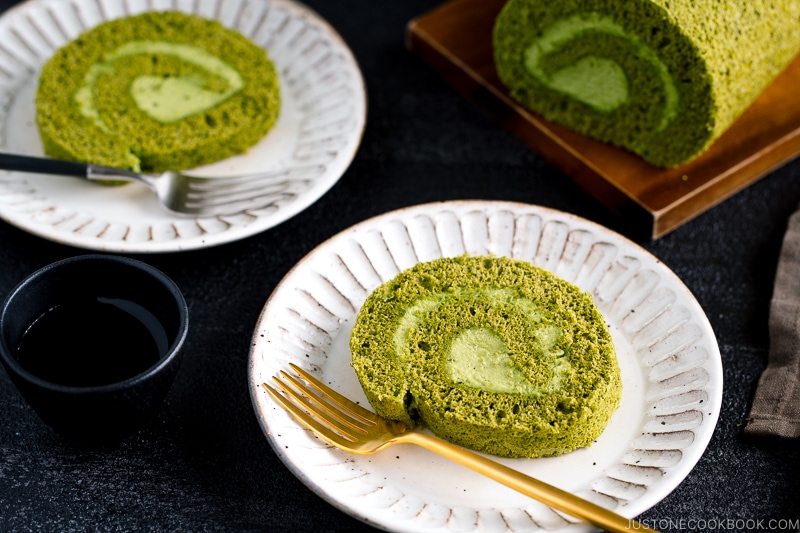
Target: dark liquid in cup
x=92 y=342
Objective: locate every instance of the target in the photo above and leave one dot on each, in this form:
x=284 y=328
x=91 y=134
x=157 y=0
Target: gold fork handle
x=549 y=495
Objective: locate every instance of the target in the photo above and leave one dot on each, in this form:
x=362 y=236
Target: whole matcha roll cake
x=156 y=91
x=490 y=353
x=661 y=78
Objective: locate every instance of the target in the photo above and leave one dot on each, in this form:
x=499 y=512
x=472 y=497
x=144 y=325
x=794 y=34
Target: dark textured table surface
x=204 y=464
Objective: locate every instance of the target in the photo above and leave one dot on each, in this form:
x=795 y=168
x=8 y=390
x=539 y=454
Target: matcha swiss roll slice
x=490 y=353
x=661 y=78
x=156 y=91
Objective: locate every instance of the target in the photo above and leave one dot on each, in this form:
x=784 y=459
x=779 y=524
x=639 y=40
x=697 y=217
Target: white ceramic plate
x=669 y=358
x=323 y=113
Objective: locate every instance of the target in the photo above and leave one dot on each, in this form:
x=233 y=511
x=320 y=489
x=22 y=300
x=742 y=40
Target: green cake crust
x=490 y=353
x=661 y=78
x=156 y=91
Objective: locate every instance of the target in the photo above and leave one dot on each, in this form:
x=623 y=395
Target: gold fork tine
x=310 y=422
x=342 y=401
x=330 y=413
x=321 y=416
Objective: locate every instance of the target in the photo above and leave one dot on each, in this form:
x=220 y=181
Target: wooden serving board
x=456 y=40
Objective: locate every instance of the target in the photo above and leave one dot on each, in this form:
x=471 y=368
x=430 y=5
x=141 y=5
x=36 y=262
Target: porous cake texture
x=661 y=78
x=490 y=353
x=156 y=91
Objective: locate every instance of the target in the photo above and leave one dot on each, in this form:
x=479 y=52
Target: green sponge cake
x=490 y=353
x=661 y=78
x=157 y=91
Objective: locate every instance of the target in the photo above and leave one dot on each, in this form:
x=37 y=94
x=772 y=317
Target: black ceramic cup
x=93 y=343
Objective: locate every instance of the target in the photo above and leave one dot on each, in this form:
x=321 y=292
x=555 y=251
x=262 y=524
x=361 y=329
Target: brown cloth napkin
x=776 y=406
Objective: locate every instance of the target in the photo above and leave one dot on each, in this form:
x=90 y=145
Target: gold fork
x=346 y=425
